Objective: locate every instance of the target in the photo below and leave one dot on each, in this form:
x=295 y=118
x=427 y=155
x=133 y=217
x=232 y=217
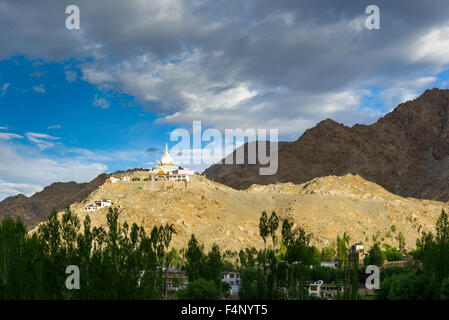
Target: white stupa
x=165 y=164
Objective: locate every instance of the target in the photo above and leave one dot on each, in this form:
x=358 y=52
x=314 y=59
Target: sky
x=76 y=103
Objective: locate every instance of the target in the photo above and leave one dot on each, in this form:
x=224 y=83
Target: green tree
x=12 y=260
x=214 y=265
x=434 y=252
x=393 y=229
x=328 y=253
x=173 y=259
x=343 y=249
x=375 y=256
x=392 y=254
x=408 y=286
x=273 y=224
x=444 y=290
x=200 y=289
x=252 y=284
x=195 y=260
x=264 y=228
x=286 y=232
x=401 y=242
x=300 y=256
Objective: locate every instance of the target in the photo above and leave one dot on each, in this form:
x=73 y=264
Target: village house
x=112 y=179
x=233 y=278
x=329 y=264
x=99 y=205
x=357 y=253
x=91 y=208
x=175 y=279
x=177 y=175
x=328 y=291
x=125 y=178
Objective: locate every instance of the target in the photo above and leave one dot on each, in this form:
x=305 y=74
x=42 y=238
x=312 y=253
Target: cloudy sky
x=77 y=103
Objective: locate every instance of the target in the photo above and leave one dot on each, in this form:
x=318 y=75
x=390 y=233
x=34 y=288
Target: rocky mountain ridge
x=57 y=196
x=406 y=151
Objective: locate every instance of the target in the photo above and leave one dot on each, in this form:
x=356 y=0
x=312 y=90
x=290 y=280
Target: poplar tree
x=264 y=228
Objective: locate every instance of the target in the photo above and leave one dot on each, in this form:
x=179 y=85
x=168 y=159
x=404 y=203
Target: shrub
x=200 y=289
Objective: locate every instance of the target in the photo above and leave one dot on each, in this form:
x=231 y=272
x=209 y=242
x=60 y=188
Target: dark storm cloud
x=153 y=150
x=286 y=64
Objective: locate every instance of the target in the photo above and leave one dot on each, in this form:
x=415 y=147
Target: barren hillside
x=37 y=208
x=325 y=207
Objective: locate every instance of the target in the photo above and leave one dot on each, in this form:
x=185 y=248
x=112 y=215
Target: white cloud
x=231 y=64
x=432 y=47
x=403 y=91
x=39 y=89
x=96 y=76
x=10 y=188
x=56 y=126
x=101 y=102
x=71 y=76
x=37 y=74
x=4 y=88
x=33 y=136
x=9 y=136
x=25 y=170
x=41 y=139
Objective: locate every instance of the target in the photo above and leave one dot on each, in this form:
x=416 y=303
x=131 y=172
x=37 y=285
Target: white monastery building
x=166 y=170
x=112 y=179
x=165 y=164
x=98 y=205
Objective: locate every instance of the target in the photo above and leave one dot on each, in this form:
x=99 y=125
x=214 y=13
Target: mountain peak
x=38 y=207
x=406 y=151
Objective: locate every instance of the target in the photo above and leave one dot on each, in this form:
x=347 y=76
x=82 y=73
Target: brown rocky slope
x=228 y=164
x=325 y=207
x=32 y=210
x=406 y=151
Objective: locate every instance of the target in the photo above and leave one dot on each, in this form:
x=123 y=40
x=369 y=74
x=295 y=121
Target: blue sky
x=43 y=98
x=106 y=97
x=49 y=112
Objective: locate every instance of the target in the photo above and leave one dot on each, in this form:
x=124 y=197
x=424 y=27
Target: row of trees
x=110 y=260
x=284 y=272
x=427 y=275
x=285 y=269
x=123 y=262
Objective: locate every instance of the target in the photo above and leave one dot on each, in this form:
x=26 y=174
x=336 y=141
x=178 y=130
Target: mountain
x=406 y=151
x=325 y=207
x=221 y=168
x=32 y=210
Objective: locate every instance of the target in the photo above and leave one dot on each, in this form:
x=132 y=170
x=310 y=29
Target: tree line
x=119 y=261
